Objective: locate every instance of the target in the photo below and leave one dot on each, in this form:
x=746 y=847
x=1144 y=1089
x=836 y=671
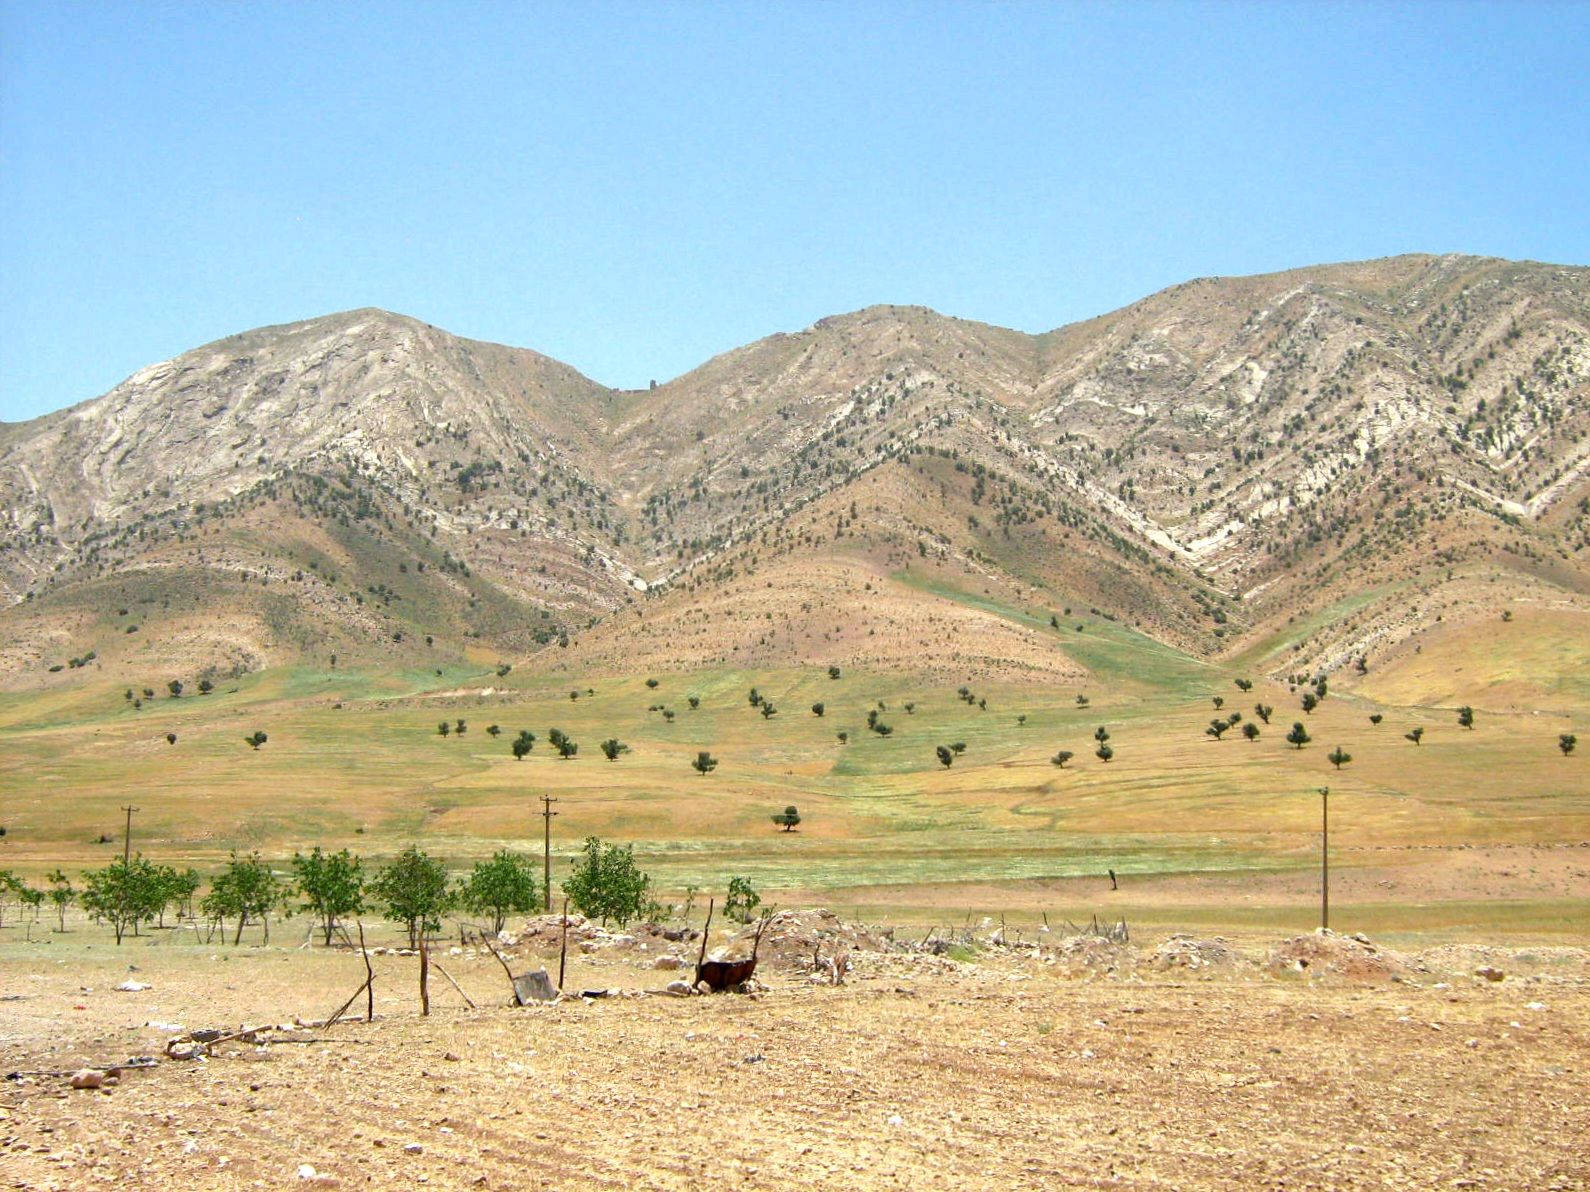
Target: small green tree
x=612 y=747
x=817 y=708
x=705 y=763
x=946 y=756
x=741 y=901
x=651 y=682
x=1416 y=734
x=1566 y=743
x=1262 y=711
x=1310 y=701
x=1104 y=753
x=844 y=737
x=606 y=884
x=460 y=727
x=332 y=885
x=1217 y=728
x=694 y=701
x=769 y=709
x=246 y=889
x=1338 y=757
x=1375 y=718
x=560 y=741
x=1250 y=731
x=444 y=728
x=1298 y=737
x=256 y=739
x=1244 y=685
x=1219 y=701
x=123 y=894
x=62 y=895
x=413 y=891
x=1060 y=759
x=175 y=687
x=1466 y=716
x=504 y=884
x=788 y=819
x=205 y=687
x=493 y=729
x=833 y=672
x=523 y=744
x=754 y=697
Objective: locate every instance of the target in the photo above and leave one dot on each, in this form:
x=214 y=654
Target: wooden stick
x=330 y=1022
x=505 y=968
x=425 y=975
x=369 y=977
x=705 y=932
x=563 y=946
x=454 y=984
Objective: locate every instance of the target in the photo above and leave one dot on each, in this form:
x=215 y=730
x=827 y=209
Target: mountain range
x=1306 y=471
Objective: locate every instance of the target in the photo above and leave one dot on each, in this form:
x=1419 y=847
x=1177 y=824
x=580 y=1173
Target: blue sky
x=632 y=188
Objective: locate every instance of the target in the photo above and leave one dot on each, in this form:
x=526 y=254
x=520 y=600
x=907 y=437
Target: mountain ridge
x=1198 y=462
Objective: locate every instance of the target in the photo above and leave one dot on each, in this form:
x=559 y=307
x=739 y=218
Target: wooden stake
x=455 y=985
x=706 y=932
x=425 y=975
x=505 y=969
x=343 y=1009
x=369 y=978
x=563 y=946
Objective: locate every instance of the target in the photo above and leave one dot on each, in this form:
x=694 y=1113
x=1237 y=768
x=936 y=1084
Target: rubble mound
x=1091 y=955
x=792 y=938
x=545 y=932
x=1323 y=953
x=1190 y=952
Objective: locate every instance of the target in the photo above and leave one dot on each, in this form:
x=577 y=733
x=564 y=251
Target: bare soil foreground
x=1314 y=1062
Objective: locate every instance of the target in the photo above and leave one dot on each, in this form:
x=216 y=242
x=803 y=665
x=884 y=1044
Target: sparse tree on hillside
x=1104 y=753
x=946 y=756
x=1338 y=757
x=246 y=889
x=788 y=818
x=523 y=744
x=1021 y=719
x=171 y=738
x=1466 y=716
x=1416 y=735
x=612 y=747
x=910 y=708
x=1310 y=701
x=694 y=701
x=705 y=763
x=444 y=728
x=1566 y=743
x=1375 y=718
x=769 y=709
x=1250 y=731
x=256 y=739
x=413 y=891
x=741 y=901
x=124 y=895
x=817 y=708
x=754 y=697
x=493 y=729
x=1082 y=701
x=205 y=687
x=175 y=687
x=1244 y=685
x=460 y=727
x=332 y=885
x=62 y=895
x=1060 y=759
x=1298 y=737
x=959 y=747
x=1262 y=711
x=833 y=672
x=844 y=738
x=1101 y=734
x=882 y=729
x=1219 y=701
x=668 y=715
x=1217 y=728
x=651 y=682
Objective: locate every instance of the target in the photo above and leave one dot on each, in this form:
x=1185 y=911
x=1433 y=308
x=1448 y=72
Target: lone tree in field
x=1415 y=735
x=833 y=672
x=1060 y=759
x=332 y=885
x=769 y=709
x=62 y=895
x=1566 y=742
x=205 y=687
x=1219 y=701
x=444 y=728
x=1104 y=753
x=255 y=739
x=493 y=729
x=460 y=727
x=651 y=682
x=1298 y=737
x=413 y=891
x=606 y=884
x=1101 y=734
x=523 y=744
x=1466 y=716
x=1310 y=701
x=1375 y=718
x=175 y=687
x=171 y=738
x=754 y=697
x=694 y=701
x=705 y=763
x=844 y=738
x=561 y=742
x=946 y=756
x=818 y=709
x=1217 y=728
x=1262 y=711
x=1338 y=757
x=788 y=818
x=1250 y=731
x=504 y=884
x=612 y=747
x=742 y=900
x=1244 y=685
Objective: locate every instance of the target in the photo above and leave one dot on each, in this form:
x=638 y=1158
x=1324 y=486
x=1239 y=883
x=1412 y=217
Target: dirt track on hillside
x=919 y=1073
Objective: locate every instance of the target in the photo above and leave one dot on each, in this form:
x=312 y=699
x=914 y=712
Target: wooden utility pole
x=546 y=876
x=1324 y=856
x=126 y=840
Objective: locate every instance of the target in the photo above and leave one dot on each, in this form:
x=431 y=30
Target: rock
x=534 y=987
x=1490 y=973
x=413 y=1148
x=678 y=988
x=88 y=1078
x=132 y=987
x=668 y=963
x=451 y=1056
x=306 y=1171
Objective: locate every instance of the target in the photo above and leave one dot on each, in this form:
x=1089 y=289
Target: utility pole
x=546 y=817
x=126 y=840
x=1324 y=857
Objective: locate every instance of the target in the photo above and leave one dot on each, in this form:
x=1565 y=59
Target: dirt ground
x=1017 y=1069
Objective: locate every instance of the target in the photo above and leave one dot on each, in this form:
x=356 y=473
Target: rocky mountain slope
x=1302 y=470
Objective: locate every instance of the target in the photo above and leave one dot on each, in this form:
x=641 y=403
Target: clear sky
x=632 y=188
